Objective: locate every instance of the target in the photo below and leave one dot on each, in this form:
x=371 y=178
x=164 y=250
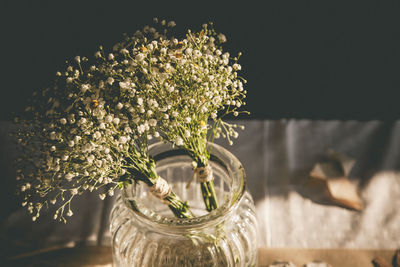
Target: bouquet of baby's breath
x=89 y=131
x=189 y=82
x=92 y=128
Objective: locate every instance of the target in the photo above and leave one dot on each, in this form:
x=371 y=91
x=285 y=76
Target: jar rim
x=220 y=155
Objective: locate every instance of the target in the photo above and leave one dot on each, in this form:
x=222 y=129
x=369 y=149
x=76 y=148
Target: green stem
x=178 y=207
x=209 y=195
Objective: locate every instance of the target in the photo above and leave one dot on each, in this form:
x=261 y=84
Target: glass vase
x=145 y=232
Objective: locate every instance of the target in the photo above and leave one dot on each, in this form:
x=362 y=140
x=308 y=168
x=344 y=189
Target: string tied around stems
x=161 y=188
x=203 y=174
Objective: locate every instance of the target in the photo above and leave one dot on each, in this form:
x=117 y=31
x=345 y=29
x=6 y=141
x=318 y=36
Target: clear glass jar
x=145 y=232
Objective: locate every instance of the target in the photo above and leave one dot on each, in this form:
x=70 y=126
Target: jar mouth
x=220 y=157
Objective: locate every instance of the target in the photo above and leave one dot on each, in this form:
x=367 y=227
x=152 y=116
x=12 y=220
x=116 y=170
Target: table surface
x=102 y=256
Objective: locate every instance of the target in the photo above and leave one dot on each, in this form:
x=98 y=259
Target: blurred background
x=302 y=59
x=321 y=75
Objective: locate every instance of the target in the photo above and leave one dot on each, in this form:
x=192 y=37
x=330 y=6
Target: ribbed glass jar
x=145 y=232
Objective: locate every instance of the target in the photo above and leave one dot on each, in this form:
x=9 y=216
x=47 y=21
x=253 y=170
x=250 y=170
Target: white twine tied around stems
x=161 y=188
x=204 y=174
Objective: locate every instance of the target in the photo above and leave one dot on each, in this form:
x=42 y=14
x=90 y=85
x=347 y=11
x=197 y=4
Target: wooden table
x=90 y=256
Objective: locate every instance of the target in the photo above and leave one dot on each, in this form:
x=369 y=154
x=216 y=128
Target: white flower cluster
x=94 y=128
x=185 y=83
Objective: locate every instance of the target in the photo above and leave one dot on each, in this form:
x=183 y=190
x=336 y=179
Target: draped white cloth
x=277 y=156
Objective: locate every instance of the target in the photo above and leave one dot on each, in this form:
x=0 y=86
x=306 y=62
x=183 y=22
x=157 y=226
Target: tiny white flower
x=74 y=191
x=123 y=140
x=152 y=122
x=141 y=128
x=99 y=163
x=109 y=119
x=77 y=138
x=128 y=130
x=116 y=121
x=140 y=101
x=187 y=133
x=71 y=143
x=120 y=105
x=188 y=51
x=64 y=157
x=69 y=213
x=102 y=196
x=97 y=135
x=237 y=66
x=90 y=159
x=170 y=89
x=85 y=87
x=123 y=85
x=197 y=53
x=110 y=80
x=188 y=119
x=139 y=57
x=179 y=141
x=221 y=37
x=52 y=148
x=63 y=121
x=110 y=56
x=69 y=176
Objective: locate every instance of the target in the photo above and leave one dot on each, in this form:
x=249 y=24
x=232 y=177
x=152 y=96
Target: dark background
x=302 y=59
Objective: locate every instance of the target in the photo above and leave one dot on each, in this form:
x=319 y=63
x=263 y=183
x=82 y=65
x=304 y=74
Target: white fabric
x=277 y=157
